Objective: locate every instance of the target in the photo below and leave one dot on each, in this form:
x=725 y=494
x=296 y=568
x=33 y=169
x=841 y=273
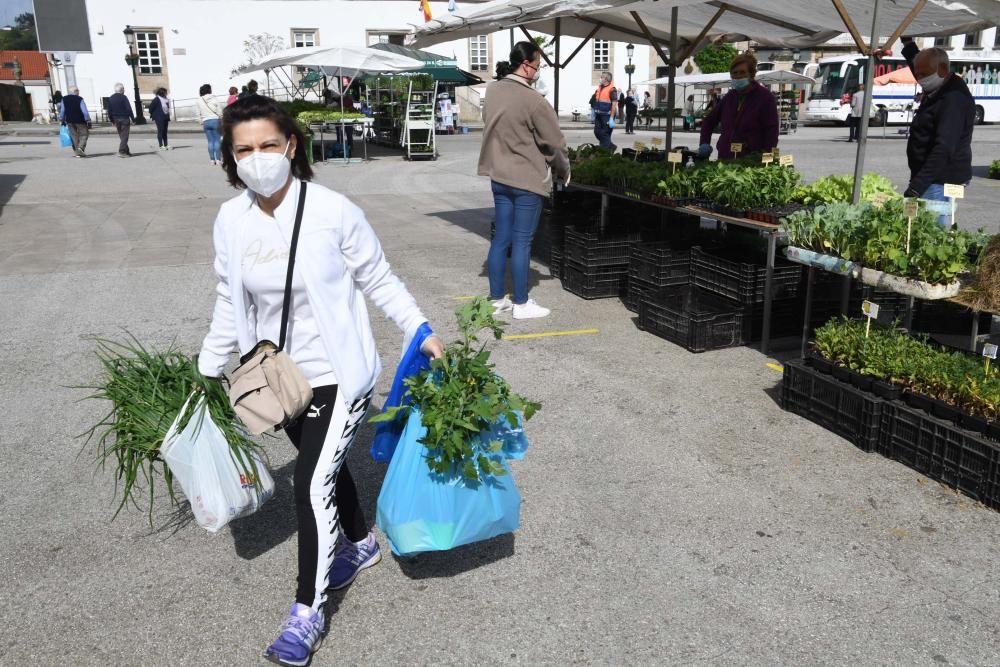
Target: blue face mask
x=739 y=84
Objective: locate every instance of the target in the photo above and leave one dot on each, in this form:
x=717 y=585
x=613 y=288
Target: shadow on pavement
x=9 y=183
x=273 y=524
x=443 y=564
x=475 y=220
x=25 y=143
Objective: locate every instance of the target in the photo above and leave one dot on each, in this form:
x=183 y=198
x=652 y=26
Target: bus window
x=853 y=78
x=829 y=83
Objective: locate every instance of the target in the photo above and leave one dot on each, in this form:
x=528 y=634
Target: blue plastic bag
x=64 y=139
x=421 y=511
x=413 y=361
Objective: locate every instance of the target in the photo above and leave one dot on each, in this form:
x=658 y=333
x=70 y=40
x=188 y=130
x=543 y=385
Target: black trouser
x=630 y=121
x=161 y=131
x=853 y=127
x=123 y=127
x=603 y=130
x=326 y=499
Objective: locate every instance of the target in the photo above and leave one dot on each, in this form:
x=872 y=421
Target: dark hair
x=252 y=108
x=252 y=84
x=521 y=53
x=161 y=91
x=206 y=89
x=233 y=90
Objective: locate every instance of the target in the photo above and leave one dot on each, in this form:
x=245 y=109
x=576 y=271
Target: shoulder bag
x=268 y=390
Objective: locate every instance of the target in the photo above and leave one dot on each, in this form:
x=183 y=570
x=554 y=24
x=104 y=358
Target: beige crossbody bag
x=268 y=390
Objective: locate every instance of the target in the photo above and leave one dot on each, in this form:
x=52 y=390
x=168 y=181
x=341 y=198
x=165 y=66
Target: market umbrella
x=783 y=76
x=344 y=60
x=440 y=68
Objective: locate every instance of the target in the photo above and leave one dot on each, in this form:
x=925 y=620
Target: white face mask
x=931 y=82
x=264 y=173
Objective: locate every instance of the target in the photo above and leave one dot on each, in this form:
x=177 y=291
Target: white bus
x=837 y=79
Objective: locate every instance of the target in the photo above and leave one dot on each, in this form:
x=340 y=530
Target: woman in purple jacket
x=748 y=113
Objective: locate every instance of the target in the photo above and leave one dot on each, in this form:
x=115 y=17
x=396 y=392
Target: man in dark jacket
x=74 y=115
x=121 y=115
x=939 y=150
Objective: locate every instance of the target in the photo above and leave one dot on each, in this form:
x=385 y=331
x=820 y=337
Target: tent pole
x=558 y=63
x=859 y=162
x=671 y=73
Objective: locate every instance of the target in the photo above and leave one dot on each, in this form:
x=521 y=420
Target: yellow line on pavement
x=776 y=367
x=550 y=334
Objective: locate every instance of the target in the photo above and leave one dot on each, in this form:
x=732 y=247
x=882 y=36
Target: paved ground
x=673 y=513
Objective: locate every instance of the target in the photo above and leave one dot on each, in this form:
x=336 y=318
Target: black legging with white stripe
x=325 y=496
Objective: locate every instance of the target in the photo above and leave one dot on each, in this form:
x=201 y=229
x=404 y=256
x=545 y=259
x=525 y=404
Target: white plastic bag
x=200 y=459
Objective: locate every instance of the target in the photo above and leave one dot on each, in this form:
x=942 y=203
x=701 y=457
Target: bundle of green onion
x=146 y=390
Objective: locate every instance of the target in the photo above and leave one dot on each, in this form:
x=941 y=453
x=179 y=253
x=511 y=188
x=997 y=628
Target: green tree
x=21 y=37
x=714 y=59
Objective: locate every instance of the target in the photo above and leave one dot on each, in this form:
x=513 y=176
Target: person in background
x=121 y=115
x=605 y=111
x=689 y=113
x=939 y=149
x=523 y=151
x=339 y=262
x=210 y=114
x=74 y=115
x=748 y=114
x=159 y=111
x=647 y=105
x=251 y=87
x=54 y=103
x=233 y=95
x=857 y=108
x=631 y=111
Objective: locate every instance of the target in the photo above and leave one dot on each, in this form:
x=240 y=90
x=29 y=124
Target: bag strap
x=287 y=304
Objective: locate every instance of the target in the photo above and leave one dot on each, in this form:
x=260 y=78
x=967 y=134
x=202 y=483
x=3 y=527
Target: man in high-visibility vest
x=605 y=105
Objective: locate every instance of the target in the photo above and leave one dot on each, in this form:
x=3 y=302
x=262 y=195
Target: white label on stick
x=786 y=160
x=910 y=208
x=954 y=191
x=767 y=158
x=675 y=156
x=990 y=350
x=657 y=141
x=736 y=148
x=870 y=309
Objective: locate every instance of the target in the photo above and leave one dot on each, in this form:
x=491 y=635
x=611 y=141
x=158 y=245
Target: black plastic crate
x=742 y=281
x=660 y=265
x=943 y=317
x=941 y=450
x=692 y=318
x=851 y=413
x=556 y=262
x=590 y=249
x=786 y=319
x=594 y=282
x=638 y=289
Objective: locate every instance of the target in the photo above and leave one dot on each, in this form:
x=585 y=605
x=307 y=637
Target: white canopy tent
x=773 y=76
x=683 y=26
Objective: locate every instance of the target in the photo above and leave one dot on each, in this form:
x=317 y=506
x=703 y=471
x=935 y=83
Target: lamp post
x=630 y=68
x=132 y=58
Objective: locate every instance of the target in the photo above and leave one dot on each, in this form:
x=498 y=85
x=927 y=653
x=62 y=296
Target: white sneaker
x=502 y=305
x=529 y=310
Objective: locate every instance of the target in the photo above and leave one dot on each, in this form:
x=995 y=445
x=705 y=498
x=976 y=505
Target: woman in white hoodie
x=210 y=115
x=339 y=262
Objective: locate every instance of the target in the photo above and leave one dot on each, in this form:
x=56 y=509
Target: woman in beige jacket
x=523 y=148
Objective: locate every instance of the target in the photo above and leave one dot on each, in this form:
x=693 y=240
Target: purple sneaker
x=351 y=558
x=301 y=636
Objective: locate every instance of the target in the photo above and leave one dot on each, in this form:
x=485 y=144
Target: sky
x=9 y=9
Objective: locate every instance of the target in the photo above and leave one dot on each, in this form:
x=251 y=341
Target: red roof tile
x=34 y=65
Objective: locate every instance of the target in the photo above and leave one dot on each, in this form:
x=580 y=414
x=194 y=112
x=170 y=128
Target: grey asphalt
x=673 y=513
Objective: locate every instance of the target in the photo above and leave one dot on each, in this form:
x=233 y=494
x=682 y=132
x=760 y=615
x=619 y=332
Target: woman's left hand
x=433 y=347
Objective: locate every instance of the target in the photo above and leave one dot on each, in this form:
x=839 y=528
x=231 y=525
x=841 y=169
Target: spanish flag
x=426 y=6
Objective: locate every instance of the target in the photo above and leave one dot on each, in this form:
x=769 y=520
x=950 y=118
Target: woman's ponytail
x=504 y=69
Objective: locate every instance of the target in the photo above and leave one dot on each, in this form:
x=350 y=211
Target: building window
x=602 y=55
x=301 y=38
x=147 y=42
x=479 y=53
x=397 y=38
x=996 y=39
x=942 y=42
x=974 y=40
